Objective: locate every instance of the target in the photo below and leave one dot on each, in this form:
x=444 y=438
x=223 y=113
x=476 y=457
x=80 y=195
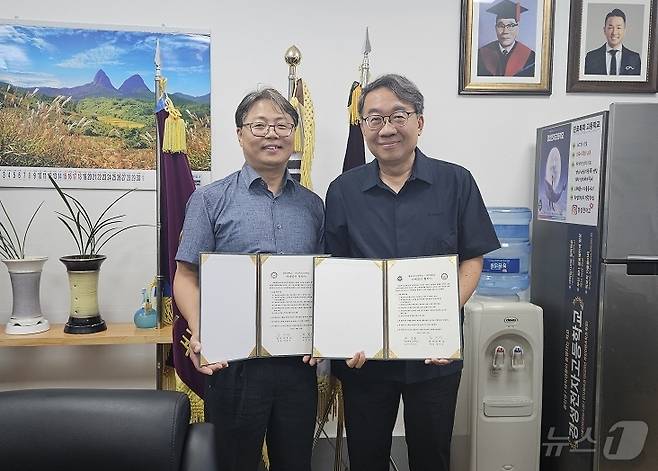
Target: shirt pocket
x=249 y=233
x=440 y=236
x=449 y=244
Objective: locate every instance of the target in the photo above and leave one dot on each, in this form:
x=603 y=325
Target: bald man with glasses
x=506 y=56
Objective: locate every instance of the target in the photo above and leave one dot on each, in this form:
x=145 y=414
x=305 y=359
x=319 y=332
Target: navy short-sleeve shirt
x=438 y=211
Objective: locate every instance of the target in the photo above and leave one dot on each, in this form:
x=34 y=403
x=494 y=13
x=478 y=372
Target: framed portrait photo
x=506 y=47
x=612 y=46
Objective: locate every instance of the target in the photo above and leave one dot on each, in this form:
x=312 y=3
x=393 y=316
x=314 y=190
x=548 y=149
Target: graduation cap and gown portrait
x=506 y=56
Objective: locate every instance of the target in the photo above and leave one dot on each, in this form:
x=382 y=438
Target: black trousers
x=250 y=397
x=371 y=407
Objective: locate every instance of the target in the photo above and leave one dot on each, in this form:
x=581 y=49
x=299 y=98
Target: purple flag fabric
x=176 y=186
x=355 y=153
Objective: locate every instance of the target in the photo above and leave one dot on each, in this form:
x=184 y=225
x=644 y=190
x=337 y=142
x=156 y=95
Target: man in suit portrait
x=613 y=58
x=506 y=56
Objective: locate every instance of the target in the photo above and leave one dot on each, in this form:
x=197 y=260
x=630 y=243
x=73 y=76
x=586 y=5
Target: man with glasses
x=613 y=58
x=258 y=209
x=506 y=56
x=403 y=204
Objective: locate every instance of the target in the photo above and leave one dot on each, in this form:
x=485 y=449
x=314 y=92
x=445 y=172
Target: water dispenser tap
x=498 y=357
x=518 y=361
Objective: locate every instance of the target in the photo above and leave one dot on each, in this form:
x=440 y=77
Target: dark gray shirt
x=438 y=211
x=238 y=214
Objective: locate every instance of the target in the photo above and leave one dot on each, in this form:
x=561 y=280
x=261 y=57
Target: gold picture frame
x=506 y=47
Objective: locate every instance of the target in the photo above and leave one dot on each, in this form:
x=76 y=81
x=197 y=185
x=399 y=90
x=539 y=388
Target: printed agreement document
x=255 y=306
x=390 y=309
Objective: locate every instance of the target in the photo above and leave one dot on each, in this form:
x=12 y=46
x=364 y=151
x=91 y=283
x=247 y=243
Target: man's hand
x=195 y=350
x=357 y=361
x=311 y=361
x=437 y=361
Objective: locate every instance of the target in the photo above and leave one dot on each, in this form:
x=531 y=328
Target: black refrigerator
x=595 y=274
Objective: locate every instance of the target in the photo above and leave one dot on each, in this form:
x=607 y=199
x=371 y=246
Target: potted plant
x=25 y=276
x=90 y=236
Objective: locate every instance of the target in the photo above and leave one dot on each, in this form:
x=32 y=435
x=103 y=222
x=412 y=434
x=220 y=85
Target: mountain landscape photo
x=86 y=109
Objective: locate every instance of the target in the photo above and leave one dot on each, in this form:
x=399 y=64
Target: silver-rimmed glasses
x=261 y=129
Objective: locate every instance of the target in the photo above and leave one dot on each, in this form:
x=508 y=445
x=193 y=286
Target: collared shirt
x=608 y=58
x=508 y=48
x=438 y=211
x=238 y=214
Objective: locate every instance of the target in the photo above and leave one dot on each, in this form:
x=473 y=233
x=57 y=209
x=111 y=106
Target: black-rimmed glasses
x=397 y=119
x=506 y=26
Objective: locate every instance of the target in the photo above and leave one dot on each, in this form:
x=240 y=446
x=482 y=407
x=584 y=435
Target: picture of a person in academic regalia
x=506 y=56
x=613 y=58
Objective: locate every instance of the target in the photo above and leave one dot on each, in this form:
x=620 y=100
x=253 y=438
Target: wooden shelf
x=116 y=334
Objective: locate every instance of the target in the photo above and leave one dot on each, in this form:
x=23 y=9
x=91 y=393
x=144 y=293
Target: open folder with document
x=264 y=305
x=257 y=305
x=390 y=309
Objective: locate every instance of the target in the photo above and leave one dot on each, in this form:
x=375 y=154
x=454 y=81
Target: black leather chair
x=102 y=429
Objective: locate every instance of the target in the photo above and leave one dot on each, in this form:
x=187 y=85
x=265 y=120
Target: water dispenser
x=505 y=271
x=498 y=420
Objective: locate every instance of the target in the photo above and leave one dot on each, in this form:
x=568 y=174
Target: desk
x=116 y=334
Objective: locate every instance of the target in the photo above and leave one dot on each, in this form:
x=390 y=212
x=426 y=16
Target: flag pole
x=355 y=153
x=158 y=223
x=159 y=305
x=365 y=64
x=293 y=57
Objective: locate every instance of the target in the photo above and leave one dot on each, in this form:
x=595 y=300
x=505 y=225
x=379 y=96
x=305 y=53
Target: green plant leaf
x=113 y=203
x=7 y=250
x=72 y=233
x=91 y=236
x=103 y=226
x=109 y=230
x=5 y=239
x=66 y=202
x=18 y=241
x=12 y=247
x=110 y=220
x=89 y=232
x=81 y=211
x=120 y=231
x=4 y=243
x=74 y=221
x=27 y=229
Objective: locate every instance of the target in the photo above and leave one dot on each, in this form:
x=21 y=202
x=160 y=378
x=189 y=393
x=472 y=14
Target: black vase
x=83 y=272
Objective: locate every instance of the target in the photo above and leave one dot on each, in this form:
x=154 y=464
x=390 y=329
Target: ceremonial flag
x=355 y=153
x=176 y=186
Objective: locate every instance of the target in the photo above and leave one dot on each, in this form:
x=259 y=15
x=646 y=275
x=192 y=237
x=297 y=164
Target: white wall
x=492 y=136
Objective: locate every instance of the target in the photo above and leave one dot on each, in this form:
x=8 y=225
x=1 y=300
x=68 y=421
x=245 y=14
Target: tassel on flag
x=174 y=130
x=355 y=153
x=300 y=163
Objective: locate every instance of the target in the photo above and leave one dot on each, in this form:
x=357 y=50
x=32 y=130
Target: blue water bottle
x=505 y=271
